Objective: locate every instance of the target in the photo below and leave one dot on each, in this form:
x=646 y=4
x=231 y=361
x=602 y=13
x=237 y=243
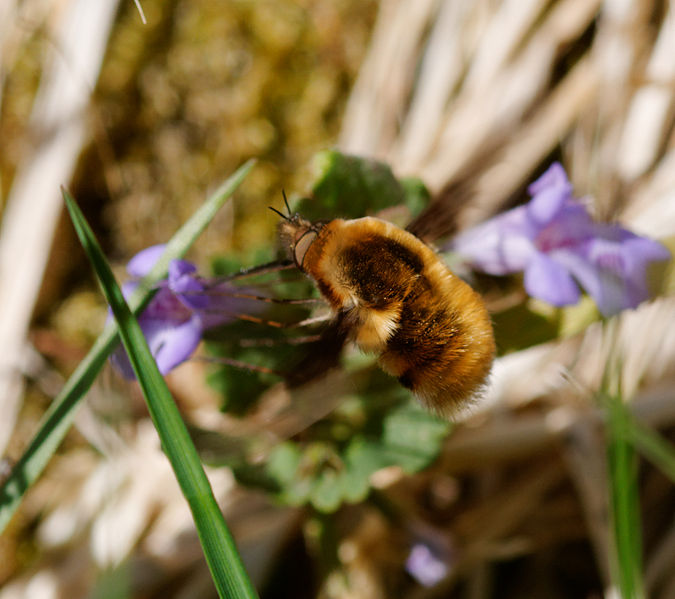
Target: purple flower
x=426 y=564
x=184 y=306
x=559 y=247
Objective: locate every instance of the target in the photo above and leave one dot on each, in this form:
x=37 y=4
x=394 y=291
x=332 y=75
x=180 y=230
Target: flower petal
x=183 y=307
x=179 y=269
x=571 y=226
x=603 y=285
x=186 y=285
x=638 y=253
x=425 y=565
x=556 y=242
x=550 y=281
x=612 y=267
x=170 y=342
x=120 y=362
x=549 y=193
x=499 y=246
x=173 y=345
x=553 y=177
x=141 y=264
x=166 y=306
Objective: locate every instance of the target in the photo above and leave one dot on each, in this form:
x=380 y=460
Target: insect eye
x=301 y=247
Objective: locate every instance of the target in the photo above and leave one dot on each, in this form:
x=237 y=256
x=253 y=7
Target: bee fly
x=393 y=296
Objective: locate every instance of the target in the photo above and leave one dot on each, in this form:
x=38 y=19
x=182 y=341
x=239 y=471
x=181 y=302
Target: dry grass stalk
x=33 y=207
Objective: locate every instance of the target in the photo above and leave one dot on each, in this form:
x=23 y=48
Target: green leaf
x=220 y=551
x=327 y=494
x=283 y=462
x=416 y=194
x=352 y=187
x=327 y=473
x=284 y=466
x=59 y=417
x=414 y=436
x=362 y=458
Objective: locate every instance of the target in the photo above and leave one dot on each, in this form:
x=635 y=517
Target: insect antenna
x=288 y=208
x=279 y=213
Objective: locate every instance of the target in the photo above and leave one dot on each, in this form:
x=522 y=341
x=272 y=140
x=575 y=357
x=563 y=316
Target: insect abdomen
x=440 y=351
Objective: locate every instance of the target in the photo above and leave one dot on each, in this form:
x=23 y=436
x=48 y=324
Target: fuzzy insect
x=393 y=296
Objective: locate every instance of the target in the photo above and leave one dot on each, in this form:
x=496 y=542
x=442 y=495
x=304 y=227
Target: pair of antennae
x=290 y=214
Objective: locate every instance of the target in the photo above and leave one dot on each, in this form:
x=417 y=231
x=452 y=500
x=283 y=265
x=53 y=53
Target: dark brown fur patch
x=380 y=269
x=425 y=336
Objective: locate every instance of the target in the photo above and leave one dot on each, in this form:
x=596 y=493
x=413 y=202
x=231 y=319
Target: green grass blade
x=625 y=502
x=654 y=447
x=221 y=554
x=58 y=419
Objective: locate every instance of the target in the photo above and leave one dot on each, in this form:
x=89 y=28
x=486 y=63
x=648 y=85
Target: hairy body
x=397 y=299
